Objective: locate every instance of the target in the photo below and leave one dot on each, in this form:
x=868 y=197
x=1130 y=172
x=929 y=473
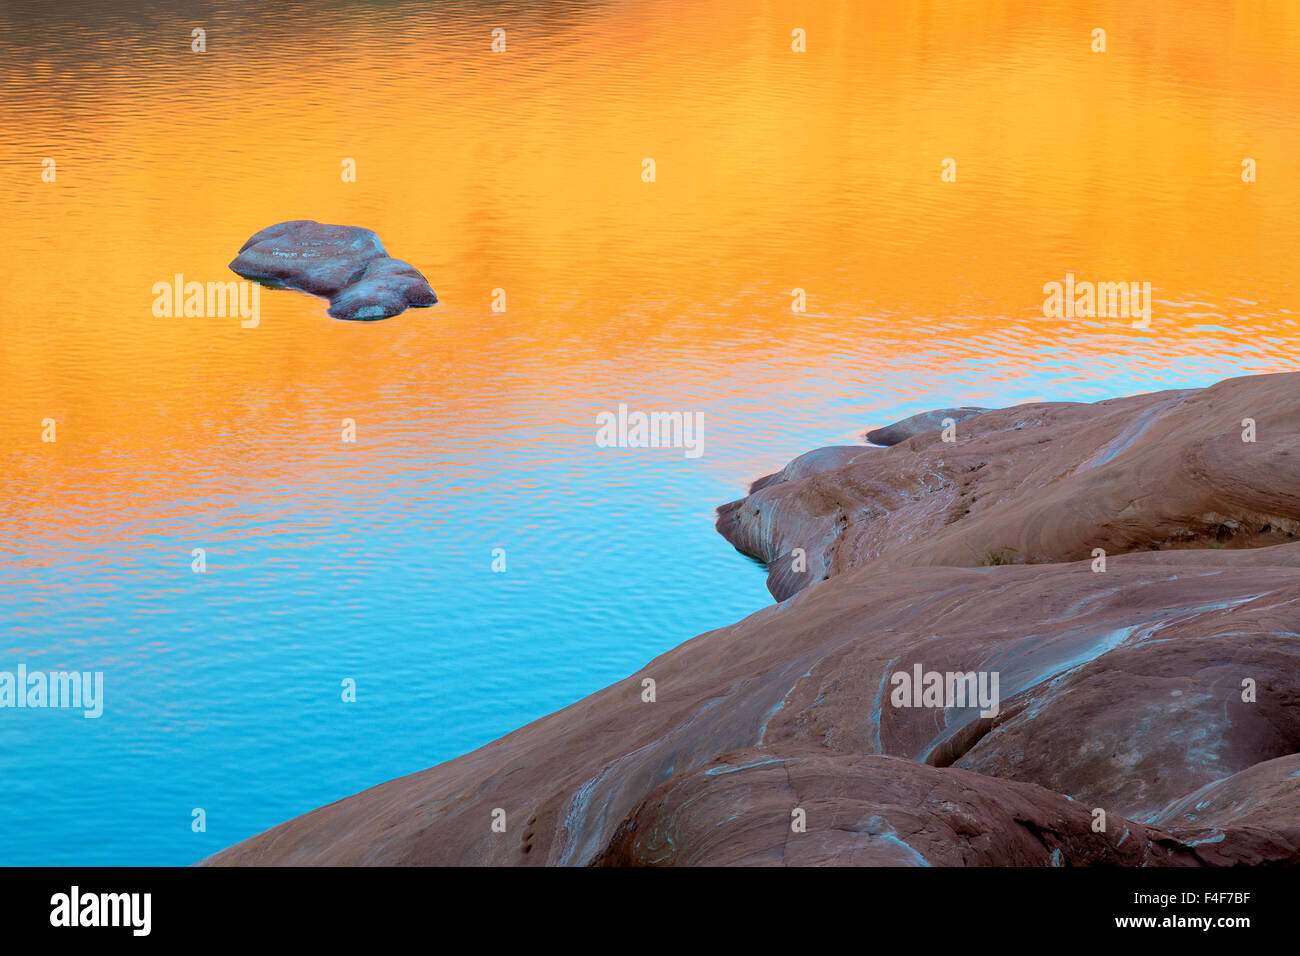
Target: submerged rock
x=345 y=264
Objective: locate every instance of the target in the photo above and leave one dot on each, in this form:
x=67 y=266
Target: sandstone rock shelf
x=1121 y=690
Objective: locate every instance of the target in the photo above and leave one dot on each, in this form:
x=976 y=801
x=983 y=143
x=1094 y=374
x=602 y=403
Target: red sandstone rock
x=346 y=264
x=1123 y=690
x=883 y=811
x=1044 y=483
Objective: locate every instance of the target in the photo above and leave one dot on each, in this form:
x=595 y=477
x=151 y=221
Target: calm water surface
x=522 y=171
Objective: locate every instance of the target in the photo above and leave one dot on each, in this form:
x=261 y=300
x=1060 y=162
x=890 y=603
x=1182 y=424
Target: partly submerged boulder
x=346 y=264
x=385 y=287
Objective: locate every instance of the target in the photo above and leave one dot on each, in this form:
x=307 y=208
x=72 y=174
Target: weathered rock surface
x=1163 y=690
x=885 y=811
x=1042 y=483
x=920 y=424
x=346 y=264
x=384 y=288
x=1262 y=803
x=813 y=463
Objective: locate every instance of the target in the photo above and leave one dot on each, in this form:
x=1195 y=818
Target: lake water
x=522 y=171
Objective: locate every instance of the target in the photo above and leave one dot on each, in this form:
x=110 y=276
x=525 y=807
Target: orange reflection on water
x=522 y=171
